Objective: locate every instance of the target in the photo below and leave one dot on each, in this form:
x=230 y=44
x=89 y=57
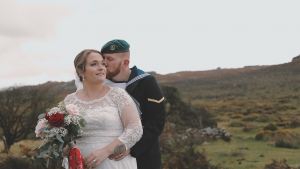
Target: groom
x=144 y=88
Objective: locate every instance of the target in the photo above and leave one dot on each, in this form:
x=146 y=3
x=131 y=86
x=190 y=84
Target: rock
x=222 y=128
x=227 y=134
x=204 y=143
x=215 y=131
x=208 y=131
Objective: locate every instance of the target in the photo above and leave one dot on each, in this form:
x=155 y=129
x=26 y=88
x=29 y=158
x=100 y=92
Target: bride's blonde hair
x=80 y=60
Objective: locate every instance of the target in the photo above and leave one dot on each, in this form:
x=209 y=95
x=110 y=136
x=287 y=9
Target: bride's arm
x=98 y=156
x=131 y=134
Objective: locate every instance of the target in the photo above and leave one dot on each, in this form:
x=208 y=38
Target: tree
x=182 y=134
x=20 y=107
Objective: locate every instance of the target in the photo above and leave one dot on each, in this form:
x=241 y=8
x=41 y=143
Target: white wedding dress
x=111 y=117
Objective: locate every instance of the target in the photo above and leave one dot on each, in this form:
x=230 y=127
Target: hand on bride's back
x=99 y=156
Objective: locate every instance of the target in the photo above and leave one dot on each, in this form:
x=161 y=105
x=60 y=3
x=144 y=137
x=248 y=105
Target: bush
x=288 y=143
x=251 y=117
x=271 y=127
x=274 y=118
x=236 y=124
x=220 y=118
x=262 y=135
x=18 y=163
x=185 y=159
x=271 y=112
x=277 y=165
x=282 y=138
x=295 y=123
x=237 y=116
x=246 y=129
x=249 y=127
x=264 y=119
x=231 y=154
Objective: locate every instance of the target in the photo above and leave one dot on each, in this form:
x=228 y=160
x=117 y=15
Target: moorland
x=258 y=105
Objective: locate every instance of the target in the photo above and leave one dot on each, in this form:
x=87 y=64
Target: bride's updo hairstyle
x=80 y=60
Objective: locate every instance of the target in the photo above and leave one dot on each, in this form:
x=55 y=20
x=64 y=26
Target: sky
x=39 y=39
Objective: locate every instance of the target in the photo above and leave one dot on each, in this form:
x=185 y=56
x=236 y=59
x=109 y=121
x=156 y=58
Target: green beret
x=115 y=46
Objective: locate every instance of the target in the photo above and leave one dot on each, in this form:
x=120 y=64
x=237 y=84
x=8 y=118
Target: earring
x=82 y=77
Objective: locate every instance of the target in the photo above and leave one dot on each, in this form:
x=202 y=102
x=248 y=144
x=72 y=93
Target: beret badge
x=112 y=47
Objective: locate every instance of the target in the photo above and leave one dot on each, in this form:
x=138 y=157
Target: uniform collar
x=136 y=75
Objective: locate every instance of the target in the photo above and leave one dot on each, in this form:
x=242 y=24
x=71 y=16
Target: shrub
x=271 y=112
x=251 y=117
x=277 y=165
x=220 y=118
x=284 y=142
x=264 y=119
x=237 y=154
x=274 y=118
x=284 y=119
x=283 y=107
x=271 y=127
x=232 y=154
x=246 y=129
x=295 y=123
x=268 y=107
x=282 y=138
x=236 y=116
x=262 y=135
x=236 y=124
x=18 y=163
x=185 y=159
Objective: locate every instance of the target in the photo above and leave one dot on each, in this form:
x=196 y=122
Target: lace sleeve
x=69 y=99
x=133 y=130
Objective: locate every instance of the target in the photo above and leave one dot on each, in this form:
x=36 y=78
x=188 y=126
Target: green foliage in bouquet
x=59 y=126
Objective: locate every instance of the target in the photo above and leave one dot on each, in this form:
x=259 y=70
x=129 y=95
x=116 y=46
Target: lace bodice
x=109 y=117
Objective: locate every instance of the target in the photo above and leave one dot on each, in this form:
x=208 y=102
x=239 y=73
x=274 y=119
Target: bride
x=113 y=123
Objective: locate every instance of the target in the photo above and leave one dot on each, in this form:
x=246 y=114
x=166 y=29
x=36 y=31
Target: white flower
x=55 y=110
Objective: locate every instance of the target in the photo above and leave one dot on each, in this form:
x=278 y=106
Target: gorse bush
x=251 y=117
x=237 y=116
x=271 y=127
x=236 y=124
x=282 y=138
x=295 y=123
x=220 y=118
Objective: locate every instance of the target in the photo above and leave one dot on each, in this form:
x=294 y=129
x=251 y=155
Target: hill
x=264 y=81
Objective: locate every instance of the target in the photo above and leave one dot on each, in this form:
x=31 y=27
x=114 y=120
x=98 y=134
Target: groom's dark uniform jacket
x=144 y=88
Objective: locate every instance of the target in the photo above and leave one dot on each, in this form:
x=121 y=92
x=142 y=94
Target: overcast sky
x=39 y=39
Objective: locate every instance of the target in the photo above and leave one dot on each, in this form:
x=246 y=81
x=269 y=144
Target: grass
x=222 y=152
x=28 y=143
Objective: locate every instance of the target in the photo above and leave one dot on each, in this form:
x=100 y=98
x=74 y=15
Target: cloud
x=110 y=6
x=21 y=23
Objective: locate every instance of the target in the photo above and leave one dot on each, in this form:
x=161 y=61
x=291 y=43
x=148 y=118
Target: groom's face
x=113 y=64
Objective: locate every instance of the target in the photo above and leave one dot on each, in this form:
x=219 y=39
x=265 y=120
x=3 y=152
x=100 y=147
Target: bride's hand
x=95 y=158
x=66 y=151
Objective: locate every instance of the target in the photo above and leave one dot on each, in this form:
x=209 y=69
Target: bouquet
x=58 y=127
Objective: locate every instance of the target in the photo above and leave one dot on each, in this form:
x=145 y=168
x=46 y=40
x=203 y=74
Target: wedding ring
x=121 y=154
x=94 y=160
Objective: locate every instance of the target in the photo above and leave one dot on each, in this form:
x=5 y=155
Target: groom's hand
x=120 y=156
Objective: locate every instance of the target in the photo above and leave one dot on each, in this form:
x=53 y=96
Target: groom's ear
x=125 y=63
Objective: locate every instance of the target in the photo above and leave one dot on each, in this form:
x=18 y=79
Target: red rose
x=46 y=116
x=56 y=120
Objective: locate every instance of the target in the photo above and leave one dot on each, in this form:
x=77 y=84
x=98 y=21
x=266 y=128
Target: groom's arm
x=155 y=111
